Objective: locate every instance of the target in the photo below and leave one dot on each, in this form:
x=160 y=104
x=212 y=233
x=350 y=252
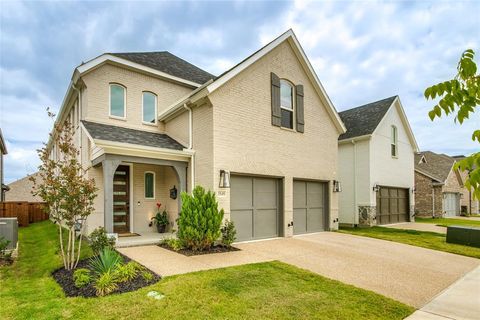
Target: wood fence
x=25 y=212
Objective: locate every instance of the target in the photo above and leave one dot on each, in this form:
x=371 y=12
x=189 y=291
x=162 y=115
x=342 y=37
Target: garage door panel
x=299 y=221
x=266 y=194
x=315 y=220
x=392 y=205
x=265 y=223
x=242 y=193
x=308 y=206
x=243 y=220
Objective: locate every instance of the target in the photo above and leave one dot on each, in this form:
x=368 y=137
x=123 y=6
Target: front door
x=121 y=197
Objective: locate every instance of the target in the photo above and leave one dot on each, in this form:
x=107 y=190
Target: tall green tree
x=461 y=97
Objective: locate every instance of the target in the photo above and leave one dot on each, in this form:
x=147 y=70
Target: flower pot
x=161 y=228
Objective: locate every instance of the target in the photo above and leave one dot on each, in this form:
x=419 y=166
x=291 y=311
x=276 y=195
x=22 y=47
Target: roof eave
x=357 y=138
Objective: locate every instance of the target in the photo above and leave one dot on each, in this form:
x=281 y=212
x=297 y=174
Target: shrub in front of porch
x=200 y=220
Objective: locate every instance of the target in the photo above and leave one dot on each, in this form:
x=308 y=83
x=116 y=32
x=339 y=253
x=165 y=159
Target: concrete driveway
x=409 y=274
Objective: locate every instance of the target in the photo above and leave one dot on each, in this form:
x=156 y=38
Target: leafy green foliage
x=128 y=272
x=461 y=95
x=106 y=262
x=229 y=234
x=99 y=240
x=161 y=218
x=147 y=276
x=3 y=246
x=82 y=277
x=200 y=220
x=175 y=244
x=106 y=283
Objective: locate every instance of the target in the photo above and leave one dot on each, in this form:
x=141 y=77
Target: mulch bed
x=6 y=262
x=189 y=253
x=65 y=279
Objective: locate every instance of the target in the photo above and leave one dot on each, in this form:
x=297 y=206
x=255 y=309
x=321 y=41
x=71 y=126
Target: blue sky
x=362 y=51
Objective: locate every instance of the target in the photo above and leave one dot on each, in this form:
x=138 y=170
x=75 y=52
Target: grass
x=430 y=240
x=272 y=290
x=445 y=222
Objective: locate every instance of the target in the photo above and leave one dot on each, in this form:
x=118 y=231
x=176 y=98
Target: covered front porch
x=135 y=189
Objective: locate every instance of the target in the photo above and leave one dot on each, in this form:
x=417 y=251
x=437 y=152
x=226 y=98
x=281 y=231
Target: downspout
x=190 y=144
x=355 y=207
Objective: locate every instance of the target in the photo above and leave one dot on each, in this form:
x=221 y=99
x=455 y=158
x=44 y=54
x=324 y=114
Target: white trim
x=288 y=35
x=293 y=110
x=106 y=57
x=130 y=187
x=349 y=140
x=110 y=101
x=144 y=185
x=155 y=111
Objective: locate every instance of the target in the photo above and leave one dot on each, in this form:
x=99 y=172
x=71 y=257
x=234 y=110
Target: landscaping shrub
x=127 y=272
x=106 y=283
x=99 y=240
x=147 y=276
x=175 y=244
x=82 y=277
x=3 y=246
x=229 y=234
x=106 y=262
x=200 y=220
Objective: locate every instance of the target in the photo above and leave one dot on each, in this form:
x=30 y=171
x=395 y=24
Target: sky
x=362 y=51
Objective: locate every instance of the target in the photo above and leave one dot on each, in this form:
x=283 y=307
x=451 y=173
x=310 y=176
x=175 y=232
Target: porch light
x=337 y=186
x=224 y=179
x=376 y=188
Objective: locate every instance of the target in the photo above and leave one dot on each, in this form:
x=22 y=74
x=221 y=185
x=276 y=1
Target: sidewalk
x=459 y=301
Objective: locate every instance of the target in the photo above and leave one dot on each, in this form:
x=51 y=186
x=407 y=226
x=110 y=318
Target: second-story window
x=286 y=104
x=117 y=101
x=149 y=108
x=394 y=142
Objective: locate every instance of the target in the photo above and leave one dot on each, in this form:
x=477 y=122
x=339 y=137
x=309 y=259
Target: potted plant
x=160 y=219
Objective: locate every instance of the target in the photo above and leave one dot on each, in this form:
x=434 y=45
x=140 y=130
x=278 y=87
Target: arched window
x=286 y=103
x=394 y=142
x=149 y=185
x=149 y=108
x=117 y=100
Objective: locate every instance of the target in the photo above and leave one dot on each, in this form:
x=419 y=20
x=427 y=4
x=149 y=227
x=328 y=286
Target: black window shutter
x=299 y=106
x=276 y=112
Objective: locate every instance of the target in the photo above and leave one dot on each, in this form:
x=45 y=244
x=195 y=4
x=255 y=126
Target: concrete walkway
x=465 y=218
x=459 y=301
x=409 y=274
x=417 y=226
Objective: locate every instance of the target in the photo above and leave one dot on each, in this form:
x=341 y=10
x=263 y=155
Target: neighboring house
x=3 y=151
x=262 y=135
x=468 y=203
x=438 y=186
x=376 y=164
x=21 y=190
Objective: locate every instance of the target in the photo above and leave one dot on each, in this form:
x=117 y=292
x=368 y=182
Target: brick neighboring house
x=439 y=187
x=21 y=190
x=467 y=202
x=3 y=151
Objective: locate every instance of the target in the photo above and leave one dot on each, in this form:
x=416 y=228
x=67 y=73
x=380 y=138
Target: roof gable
x=363 y=120
x=235 y=70
x=437 y=166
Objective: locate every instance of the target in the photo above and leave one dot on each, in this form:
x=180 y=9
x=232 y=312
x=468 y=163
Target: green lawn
x=430 y=240
x=445 y=222
x=271 y=290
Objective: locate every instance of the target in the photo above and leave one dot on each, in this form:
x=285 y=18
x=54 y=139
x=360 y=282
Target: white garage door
x=451 y=204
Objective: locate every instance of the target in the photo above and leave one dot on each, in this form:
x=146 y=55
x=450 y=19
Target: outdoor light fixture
x=224 y=179
x=414 y=189
x=376 y=188
x=337 y=186
x=173 y=193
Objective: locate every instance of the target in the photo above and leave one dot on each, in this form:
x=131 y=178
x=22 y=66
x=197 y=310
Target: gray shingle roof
x=437 y=165
x=364 y=120
x=125 y=135
x=166 y=62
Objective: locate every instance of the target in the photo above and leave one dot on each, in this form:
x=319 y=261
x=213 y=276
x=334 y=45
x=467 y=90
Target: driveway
x=409 y=274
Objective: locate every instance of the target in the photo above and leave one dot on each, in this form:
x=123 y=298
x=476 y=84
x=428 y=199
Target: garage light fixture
x=224 y=179
x=337 y=186
x=376 y=188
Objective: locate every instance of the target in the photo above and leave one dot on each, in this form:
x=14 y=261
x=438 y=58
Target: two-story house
x=262 y=136
x=376 y=164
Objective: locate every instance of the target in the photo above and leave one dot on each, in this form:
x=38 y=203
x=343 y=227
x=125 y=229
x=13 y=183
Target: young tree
x=62 y=185
x=461 y=95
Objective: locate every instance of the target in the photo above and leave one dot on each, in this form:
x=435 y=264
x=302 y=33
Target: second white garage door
x=254 y=207
x=309 y=206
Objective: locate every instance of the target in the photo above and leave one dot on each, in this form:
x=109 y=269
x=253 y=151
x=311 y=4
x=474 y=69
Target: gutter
x=190 y=144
